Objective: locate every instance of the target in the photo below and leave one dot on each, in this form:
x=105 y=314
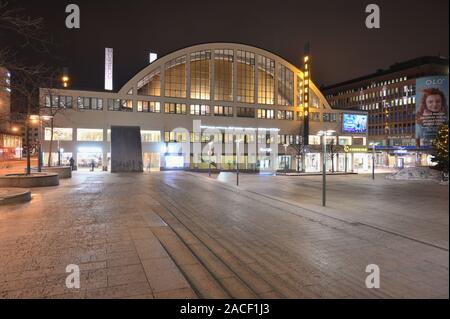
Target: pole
x=40 y=147
x=324 y=173
x=27 y=141
x=237 y=163
x=59 y=153
x=373 y=162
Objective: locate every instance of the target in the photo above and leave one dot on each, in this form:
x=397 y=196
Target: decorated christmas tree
x=441 y=150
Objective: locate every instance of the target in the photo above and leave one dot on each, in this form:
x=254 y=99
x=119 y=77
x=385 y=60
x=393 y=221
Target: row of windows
x=370 y=86
x=249 y=66
x=92 y=135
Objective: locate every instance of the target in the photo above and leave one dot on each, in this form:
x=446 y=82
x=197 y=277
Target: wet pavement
x=184 y=235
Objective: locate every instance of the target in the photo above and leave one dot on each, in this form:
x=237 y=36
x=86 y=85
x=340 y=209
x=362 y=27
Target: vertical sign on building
x=152 y=57
x=431 y=107
x=306 y=79
x=108 y=69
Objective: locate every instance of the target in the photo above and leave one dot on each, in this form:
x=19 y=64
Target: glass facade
x=245 y=77
x=175 y=78
x=200 y=75
x=285 y=86
x=151 y=84
x=223 y=75
x=266 y=81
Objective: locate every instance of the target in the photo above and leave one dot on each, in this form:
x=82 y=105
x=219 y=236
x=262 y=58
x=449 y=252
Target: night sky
x=342 y=47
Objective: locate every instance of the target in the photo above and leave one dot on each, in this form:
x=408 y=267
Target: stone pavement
x=182 y=235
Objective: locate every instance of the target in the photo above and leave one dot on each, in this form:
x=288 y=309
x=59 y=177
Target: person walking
x=71 y=163
x=92 y=165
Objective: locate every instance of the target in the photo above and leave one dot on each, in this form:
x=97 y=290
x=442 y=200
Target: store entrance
x=90 y=161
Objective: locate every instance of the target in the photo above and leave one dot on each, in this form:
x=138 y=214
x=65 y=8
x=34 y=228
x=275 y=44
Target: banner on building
x=431 y=107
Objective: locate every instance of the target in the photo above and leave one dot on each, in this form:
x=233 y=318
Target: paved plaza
x=185 y=235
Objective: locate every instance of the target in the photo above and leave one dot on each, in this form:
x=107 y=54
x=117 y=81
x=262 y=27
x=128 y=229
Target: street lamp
x=210 y=144
x=373 y=144
x=237 y=161
x=324 y=135
x=285 y=157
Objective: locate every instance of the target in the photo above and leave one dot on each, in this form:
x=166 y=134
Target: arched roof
x=160 y=63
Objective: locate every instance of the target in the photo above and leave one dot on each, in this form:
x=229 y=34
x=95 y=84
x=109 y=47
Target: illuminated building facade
x=245 y=89
x=389 y=97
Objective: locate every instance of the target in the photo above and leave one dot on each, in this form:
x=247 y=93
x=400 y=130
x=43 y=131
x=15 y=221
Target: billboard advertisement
x=431 y=107
x=354 y=123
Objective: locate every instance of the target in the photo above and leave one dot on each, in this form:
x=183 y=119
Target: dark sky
x=342 y=47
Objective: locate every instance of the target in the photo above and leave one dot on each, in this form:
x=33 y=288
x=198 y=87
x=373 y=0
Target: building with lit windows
x=241 y=92
x=10 y=141
x=389 y=97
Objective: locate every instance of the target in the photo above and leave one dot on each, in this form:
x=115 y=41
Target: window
x=223 y=75
x=175 y=78
x=265 y=114
x=266 y=83
x=120 y=105
x=245 y=77
x=92 y=135
x=200 y=79
x=58 y=101
x=59 y=134
x=150 y=84
x=314 y=116
x=151 y=136
x=176 y=137
x=223 y=110
x=245 y=112
x=329 y=117
x=285 y=115
x=148 y=106
x=175 y=108
x=200 y=109
x=89 y=103
x=285 y=86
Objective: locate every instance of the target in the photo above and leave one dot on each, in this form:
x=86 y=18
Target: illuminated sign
x=354 y=123
x=355 y=149
x=108 y=69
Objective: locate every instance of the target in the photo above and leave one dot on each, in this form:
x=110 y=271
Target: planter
x=14 y=195
x=62 y=171
x=28 y=181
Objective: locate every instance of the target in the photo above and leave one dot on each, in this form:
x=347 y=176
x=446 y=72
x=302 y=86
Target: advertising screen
x=354 y=123
x=431 y=107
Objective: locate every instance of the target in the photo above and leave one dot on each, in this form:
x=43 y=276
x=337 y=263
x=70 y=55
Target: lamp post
x=210 y=144
x=324 y=135
x=373 y=159
x=285 y=157
x=237 y=162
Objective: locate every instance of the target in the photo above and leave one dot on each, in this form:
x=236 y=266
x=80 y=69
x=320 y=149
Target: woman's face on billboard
x=434 y=103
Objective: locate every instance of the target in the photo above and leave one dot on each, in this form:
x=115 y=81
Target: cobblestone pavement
x=183 y=235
